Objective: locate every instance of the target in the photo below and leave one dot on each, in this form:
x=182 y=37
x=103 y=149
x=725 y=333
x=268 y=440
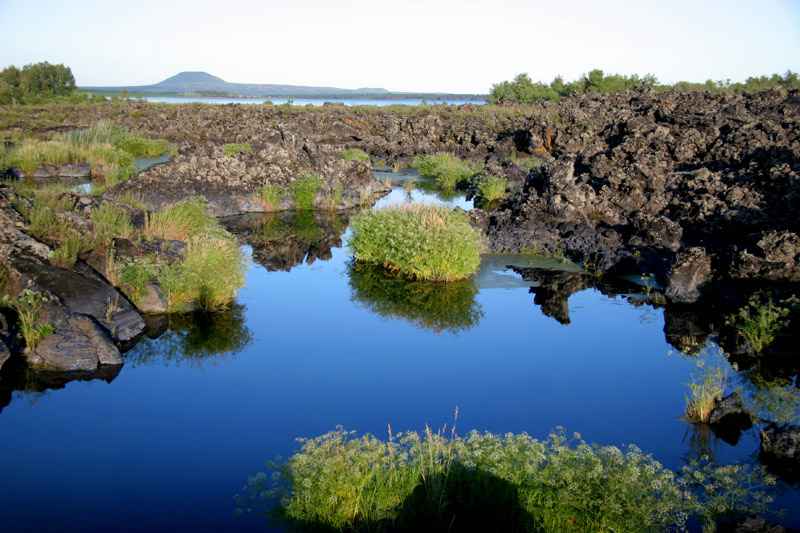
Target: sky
x=407 y=45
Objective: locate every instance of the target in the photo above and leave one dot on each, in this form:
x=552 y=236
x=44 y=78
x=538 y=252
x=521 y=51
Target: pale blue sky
x=411 y=45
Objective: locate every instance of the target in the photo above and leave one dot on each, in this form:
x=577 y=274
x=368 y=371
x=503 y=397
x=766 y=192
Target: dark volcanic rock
x=5 y=354
x=690 y=271
x=780 y=448
x=730 y=417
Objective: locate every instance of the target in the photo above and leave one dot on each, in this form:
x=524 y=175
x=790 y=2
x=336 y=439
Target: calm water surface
x=306 y=101
x=312 y=343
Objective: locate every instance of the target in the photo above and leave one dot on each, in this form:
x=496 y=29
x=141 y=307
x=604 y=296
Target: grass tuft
x=234 y=149
x=704 y=395
x=418 y=241
x=180 y=221
x=759 y=322
x=354 y=154
x=492 y=188
x=110 y=221
x=447 y=169
x=304 y=190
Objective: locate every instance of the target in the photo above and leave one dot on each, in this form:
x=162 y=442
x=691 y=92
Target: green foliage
x=271 y=195
x=304 y=190
x=446 y=169
x=72 y=244
x=209 y=276
x=354 y=154
x=440 y=481
x=759 y=322
x=526 y=163
x=418 y=241
x=110 y=221
x=522 y=90
x=44 y=223
x=492 y=188
x=180 y=221
x=435 y=306
x=234 y=149
x=33 y=153
x=704 y=394
x=35 y=81
x=134 y=275
x=28 y=306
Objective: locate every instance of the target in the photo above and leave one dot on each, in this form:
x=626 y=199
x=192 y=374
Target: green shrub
x=44 y=223
x=28 y=306
x=180 y=221
x=446 y=169
x=492 y=188
x=354 y=154
x=418 y=241
x=271 y=195
x=209 y=276
x=233 y=149
x=435 y=306
x=438 y=481
x=110 y=221
x=759 y=322
x=134 y=275
x=66 y=254
x=304 y=190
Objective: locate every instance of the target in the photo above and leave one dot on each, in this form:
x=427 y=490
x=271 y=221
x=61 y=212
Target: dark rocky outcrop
x=730 y=417
x=780 y=448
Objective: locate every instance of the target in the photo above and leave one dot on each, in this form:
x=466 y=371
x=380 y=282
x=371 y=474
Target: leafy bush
x=34 y=81
x=110 y=221
x=233 y=149
x=418 y=241
x=304 y=190
x=440 y=481
x=446 y=169
x=759 y=322
x=492 y=188
x=354 y=154
x=434 y=306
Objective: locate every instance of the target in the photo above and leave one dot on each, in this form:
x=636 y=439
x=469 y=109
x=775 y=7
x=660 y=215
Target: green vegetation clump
x=418 y=241
x=134 y=276
x=759 y=322
x=72 y=244
x=354 y=154
x=492 y=188
x=28 y=305
x=304 y=190
x=527 y=163
x=35 y=82
x=234 y=149
x=438 y=307
x=271 y=195
x=180 y=221
x=110 y=221
x=704 y=395
x=439 y=481
x=447 y=169
x=522 y=90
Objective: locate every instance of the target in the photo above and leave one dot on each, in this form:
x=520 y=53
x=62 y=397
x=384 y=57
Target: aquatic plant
x=759 y=322
x=233 y=149
x=492 y=188
x=28 y=305
x=354 y=154
x=441 y=481
x=110 y=222
x=704 y=393
x=439 y=307
x=447 y=169
x=33 y=153
x=180 y=221
x=418 y=241
x=304 y=190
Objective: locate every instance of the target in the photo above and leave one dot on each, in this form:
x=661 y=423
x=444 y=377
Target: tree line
x=522 y=90
x=35 y=82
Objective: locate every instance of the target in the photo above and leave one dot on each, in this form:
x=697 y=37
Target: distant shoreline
x=334 y=96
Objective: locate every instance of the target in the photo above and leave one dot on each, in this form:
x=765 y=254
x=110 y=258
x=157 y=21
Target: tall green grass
x=110 y=221
x=234 y=149
x=304 y=190
x=354 y=154
x=440 y=481
x=418 y=241
x=705 y=393
x=492 y=188
x=447 y=169
x=759 y=322
x=28 y=305
x=180 y=221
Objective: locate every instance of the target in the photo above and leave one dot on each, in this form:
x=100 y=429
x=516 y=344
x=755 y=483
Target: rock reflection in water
x=195 y=338
x=435 y=306
x=286 y=239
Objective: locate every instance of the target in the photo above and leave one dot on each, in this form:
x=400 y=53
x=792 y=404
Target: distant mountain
x=204 y=84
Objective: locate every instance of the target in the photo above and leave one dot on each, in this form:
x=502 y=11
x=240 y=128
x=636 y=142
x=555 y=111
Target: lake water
x=203 y=402
x=307 y=101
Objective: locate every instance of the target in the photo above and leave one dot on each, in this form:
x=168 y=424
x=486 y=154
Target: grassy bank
x=446 y=169
x=440 y=481
x=417 y=241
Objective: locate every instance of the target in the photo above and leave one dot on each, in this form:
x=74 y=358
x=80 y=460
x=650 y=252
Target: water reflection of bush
x=284 y=240
x=435 y=306
x=195 y=338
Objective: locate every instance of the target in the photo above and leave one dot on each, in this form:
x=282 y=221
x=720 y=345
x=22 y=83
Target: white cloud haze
x=411 y=45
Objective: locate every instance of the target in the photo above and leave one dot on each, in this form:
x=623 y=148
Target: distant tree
x=35 y=81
